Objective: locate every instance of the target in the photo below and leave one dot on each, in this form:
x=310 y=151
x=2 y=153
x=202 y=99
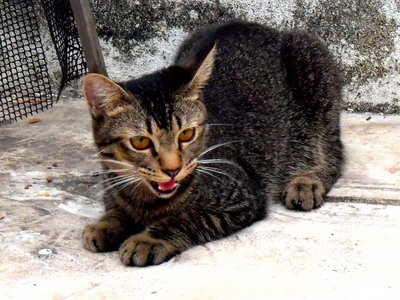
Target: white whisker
x=137 y=186
x=96 y=154
x=127 y=184
x=120 y=182
x=219 y=161
x=112 y=179
x=208 y=173
x=217 y=171
x=122 y=163
x=113 y=171
x=217 y=146
x=109 y=180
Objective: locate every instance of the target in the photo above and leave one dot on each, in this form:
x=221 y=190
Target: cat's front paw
x=143 y=250
x=304 y=193
x=101 y=237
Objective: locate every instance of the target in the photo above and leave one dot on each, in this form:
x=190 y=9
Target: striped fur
x=265 y=107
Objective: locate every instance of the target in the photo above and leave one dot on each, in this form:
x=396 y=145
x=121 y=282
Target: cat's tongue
x=167 y=186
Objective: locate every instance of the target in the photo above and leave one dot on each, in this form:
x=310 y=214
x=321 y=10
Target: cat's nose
x=172 y=173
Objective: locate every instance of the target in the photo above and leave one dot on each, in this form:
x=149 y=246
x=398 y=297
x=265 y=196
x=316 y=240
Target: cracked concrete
x=347 y=249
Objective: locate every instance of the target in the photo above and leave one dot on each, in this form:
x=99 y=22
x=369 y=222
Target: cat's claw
x=304 y=193
x=142 y=250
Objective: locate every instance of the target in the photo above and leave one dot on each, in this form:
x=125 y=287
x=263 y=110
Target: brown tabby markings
x=308 y=192
x=137 y=250
x=264 y=108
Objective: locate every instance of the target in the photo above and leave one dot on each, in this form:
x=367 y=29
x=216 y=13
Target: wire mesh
x=24 y=78
x=25 y=86
x=66 y=39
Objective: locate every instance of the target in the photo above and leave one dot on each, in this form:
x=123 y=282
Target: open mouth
x=165 y=187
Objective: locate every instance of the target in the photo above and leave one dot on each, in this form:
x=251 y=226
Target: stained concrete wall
x=139 y=36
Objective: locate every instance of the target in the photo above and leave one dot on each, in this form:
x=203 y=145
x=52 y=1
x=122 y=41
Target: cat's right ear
x=200 y=66
x=102 y=94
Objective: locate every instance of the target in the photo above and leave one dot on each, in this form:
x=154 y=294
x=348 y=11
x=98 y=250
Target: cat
x=191 y=153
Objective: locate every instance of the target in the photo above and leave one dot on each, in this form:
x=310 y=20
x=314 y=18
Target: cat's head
x=150 y=131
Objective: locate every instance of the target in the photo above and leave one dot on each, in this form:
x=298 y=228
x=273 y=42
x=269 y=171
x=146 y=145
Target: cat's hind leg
x=314 y=149
x=314 y=171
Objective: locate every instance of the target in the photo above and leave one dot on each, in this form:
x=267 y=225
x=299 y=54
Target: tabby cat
x=194 y=152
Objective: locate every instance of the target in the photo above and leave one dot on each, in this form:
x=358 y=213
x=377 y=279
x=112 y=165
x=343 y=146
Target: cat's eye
x=141 y=142
x=186 y=135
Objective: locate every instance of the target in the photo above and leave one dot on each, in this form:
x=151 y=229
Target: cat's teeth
x=167 y=186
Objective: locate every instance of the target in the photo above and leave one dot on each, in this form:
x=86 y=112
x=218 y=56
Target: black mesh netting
x=65 y=38
x=24 y=78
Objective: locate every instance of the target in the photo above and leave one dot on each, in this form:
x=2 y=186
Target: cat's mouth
x=164 y=188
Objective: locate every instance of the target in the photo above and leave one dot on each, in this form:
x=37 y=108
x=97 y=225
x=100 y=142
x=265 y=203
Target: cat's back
x=261 y=71
x=248 y=74
x=274 y=89
x=235 y=41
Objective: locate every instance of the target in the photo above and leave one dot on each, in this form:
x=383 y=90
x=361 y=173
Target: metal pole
x=88 y=36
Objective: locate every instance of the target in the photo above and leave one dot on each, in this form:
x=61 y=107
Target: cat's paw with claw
x=143 y=250
x=304 y=193
x=101 y=237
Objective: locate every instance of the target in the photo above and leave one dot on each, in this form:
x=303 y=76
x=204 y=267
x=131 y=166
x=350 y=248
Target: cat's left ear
x=201 y=67
x=102 y=95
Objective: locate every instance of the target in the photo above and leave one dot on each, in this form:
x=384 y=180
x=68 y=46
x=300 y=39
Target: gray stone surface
x=341 y=251
x=345 y=250
x=372 y=170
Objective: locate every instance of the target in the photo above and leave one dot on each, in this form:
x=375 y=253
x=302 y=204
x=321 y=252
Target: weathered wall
x=139 y=36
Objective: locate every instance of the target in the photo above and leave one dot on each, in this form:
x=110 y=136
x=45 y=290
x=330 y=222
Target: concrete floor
x=348 y=249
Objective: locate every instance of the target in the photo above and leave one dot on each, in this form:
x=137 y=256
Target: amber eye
x=186 y=135
x=141 y=142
